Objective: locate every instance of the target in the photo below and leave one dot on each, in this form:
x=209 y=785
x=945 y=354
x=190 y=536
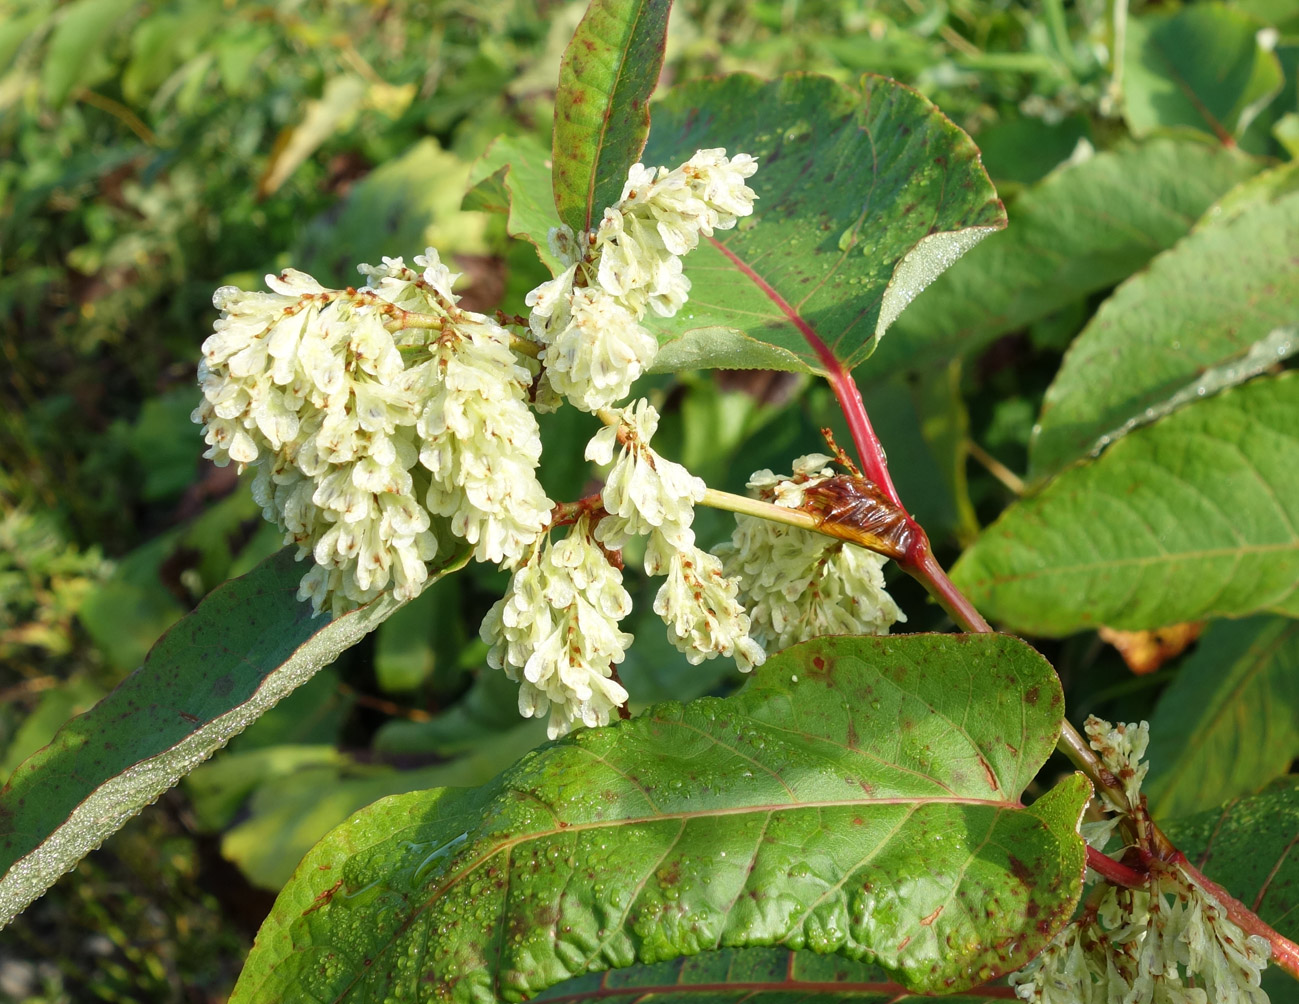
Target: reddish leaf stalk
x=874 y=464
x=1116 y=872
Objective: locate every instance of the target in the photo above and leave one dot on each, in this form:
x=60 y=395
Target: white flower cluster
x=1133 y=947
x=556 y=632
x=588 y=317
x=1121 y=748
x=359 y=434
x=647 y=495
x=798 y=584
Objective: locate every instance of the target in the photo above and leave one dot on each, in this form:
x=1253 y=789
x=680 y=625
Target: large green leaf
x=1202 y=67
x=1229 y=723
x=1251 y=848
x=755 y=976
x=242 y=649
x=608 y=73
x=1195 y=516
x=513 y=177
x=859 y=796
x=1083 y=228
x=865 y=194
x=1219 y=308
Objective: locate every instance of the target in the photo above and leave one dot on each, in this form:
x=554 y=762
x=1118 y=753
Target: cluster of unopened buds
x=381 y=419
x=1169 y=941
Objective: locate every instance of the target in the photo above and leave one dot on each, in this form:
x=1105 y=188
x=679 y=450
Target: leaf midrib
x=1140 y=560
x=607 y=117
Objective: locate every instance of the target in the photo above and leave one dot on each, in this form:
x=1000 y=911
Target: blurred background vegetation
x=150 y=152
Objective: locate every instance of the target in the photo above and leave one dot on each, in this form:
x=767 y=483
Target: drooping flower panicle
x=798 y=584
x=1170 y=942
x=588 y=317
x=647 y=495
x=359 y=434
x=556 y=632
x=643 y=493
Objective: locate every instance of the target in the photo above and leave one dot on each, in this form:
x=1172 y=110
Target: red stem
x=874 y=464
x=1115 y=872
x=922 y=565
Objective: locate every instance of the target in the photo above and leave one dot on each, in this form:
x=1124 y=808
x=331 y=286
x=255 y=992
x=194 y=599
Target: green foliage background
x=152 y=152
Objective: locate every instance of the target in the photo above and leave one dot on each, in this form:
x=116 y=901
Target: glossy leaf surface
x=1229 y=722
x=859 y=796
x=1193 y=517
x=865 y=194
x=1084 y=227
x=608 y=73
x=755 y=975
x=243 y=648
x=1220 y=307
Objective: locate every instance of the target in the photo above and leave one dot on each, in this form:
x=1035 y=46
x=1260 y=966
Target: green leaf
x=1220 y=307
x=1202 y=68
x=1190 y=518
x=1229 y=723
x=1083 y=228
x=244 y=647
x=741 y=975
x=419 y=644
x=1249 y=847
x=513 y=177
x=608 y=73
x=859 y=796
x=864 y=195
x=39 y=725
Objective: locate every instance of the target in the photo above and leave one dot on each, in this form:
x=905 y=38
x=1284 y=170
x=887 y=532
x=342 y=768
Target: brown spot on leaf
x=987 y=770
x=1023 y=874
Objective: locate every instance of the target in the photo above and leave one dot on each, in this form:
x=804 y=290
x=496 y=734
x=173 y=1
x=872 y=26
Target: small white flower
x=798 y=585
x=425 y=289
x=479 y=441
x=556 y=632
x=550 y=305
x=1121 y=748
x=563 y=244
x=588 y=316
x=1214 y=948
x=698 y=603
x=643 y=492
x=595 y=349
